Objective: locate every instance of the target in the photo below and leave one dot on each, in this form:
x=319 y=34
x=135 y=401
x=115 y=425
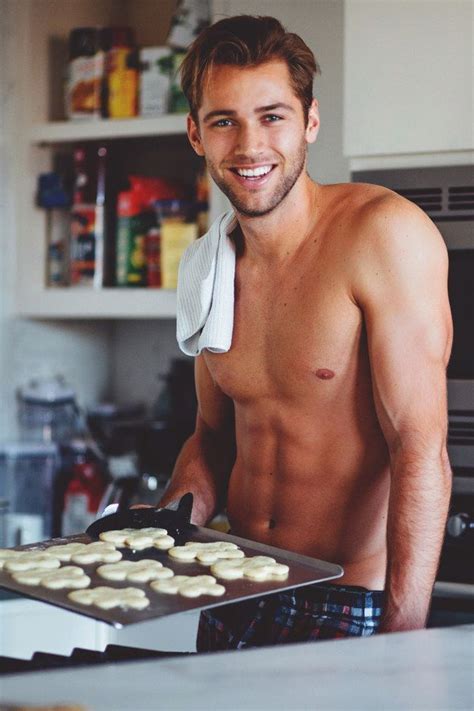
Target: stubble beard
x=281 y=190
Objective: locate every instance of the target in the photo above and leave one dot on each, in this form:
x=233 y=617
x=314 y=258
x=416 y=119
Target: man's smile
x=257 y=175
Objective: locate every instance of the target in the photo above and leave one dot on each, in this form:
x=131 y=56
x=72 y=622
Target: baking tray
x=303 y=571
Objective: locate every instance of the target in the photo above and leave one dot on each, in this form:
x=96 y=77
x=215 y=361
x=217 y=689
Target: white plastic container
x=155 y=78
x=27 y=471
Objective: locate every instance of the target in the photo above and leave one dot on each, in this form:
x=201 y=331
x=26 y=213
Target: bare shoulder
x=395 y=246
x=385 y=223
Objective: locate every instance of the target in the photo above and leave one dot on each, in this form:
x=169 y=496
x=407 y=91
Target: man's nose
x=250 y=140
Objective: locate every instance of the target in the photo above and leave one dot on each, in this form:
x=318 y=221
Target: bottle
x=85 y=485
x=121 y=69
x=156 y=64
x=133 y=223
x=153 y=257
x=87 y=217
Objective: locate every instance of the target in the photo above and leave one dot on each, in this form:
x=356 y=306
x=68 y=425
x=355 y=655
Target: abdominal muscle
x=318 y=490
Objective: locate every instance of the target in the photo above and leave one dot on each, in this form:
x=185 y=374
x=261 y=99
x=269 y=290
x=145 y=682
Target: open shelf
x=102 y=129
x=78 y=303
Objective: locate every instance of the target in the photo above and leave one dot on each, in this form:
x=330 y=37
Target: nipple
x=324 y=373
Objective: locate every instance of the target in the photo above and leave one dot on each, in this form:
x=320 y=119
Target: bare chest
x=292 y=339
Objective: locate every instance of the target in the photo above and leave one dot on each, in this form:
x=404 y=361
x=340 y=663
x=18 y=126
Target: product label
x=83 y=244
x=131 y=257
x=85 y=86
x=76 y=516
x=122 y=83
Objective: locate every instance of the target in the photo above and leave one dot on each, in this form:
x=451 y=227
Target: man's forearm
x=418 y=506
x=200 y=468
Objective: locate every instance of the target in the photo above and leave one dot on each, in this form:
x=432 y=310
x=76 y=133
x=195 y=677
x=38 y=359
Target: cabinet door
x=408 y=76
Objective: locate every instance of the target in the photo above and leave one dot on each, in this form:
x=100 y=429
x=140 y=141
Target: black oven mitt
x=176 y=518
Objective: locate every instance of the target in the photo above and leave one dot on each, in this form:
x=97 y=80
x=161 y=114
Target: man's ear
x=312 y=127
x=193 y=135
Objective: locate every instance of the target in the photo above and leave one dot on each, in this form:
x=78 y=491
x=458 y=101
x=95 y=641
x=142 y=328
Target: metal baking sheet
x=303 y=571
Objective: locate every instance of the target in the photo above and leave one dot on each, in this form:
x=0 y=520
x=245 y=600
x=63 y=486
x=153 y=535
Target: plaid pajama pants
x=299 y=615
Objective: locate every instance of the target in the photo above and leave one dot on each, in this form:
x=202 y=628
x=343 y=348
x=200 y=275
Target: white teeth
x=256 y=172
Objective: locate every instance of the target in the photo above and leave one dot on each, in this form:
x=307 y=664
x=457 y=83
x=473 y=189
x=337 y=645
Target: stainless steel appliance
x=446 y=194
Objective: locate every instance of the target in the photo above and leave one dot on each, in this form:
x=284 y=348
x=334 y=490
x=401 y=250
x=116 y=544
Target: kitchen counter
x=426 y=669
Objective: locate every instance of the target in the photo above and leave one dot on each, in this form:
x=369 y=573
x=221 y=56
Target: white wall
x=142 y=352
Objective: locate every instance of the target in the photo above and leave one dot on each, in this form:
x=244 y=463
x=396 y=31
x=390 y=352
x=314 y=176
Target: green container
x=131 y=257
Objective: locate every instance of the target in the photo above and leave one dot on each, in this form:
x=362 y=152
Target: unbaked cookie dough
x=260 y=568
x=28 y=560
x=206 y=553
x=7 y=554
x=106 y=598
x=139 y=538
x=65 y=551
x=139 y=571
x=189 y=586
x=98 y=552
x=62 y=578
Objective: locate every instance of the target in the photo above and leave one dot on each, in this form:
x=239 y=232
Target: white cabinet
x=29 y=626
x=408 y=76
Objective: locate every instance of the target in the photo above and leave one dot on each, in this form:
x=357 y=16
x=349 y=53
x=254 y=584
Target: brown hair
x=245 y=41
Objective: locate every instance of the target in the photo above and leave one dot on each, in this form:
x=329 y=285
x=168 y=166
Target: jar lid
x=85 y=42
x=118 y=37
x=47 y=391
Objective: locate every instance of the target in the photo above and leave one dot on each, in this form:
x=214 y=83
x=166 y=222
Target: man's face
x=253 y=133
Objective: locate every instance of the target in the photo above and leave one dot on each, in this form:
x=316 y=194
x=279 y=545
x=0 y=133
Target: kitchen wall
x=124 y=359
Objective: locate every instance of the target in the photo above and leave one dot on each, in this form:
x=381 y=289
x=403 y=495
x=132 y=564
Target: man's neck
x=277 y=236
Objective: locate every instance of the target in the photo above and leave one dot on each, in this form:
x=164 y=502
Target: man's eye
x=222 y=123
x=272 y=118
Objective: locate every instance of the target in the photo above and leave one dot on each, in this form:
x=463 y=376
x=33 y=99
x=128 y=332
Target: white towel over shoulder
x=205 y=310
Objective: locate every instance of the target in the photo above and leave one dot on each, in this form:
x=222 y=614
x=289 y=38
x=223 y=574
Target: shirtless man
x=323 y=428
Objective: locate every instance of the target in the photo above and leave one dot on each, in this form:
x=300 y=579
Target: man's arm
x=402 y=291
x=206 y=459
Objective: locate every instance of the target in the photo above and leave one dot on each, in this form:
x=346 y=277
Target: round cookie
x=106 y=598
x=189 y=586
x=59 y=579
x=140 y=571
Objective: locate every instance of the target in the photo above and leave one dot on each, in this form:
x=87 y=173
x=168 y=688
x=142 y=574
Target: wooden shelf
x=101 y=129
x=84 y=303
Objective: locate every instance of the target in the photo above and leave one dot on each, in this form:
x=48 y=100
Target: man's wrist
x=402 y=621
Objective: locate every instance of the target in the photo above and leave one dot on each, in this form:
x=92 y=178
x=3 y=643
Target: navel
x=325 y=373
x=271 y=523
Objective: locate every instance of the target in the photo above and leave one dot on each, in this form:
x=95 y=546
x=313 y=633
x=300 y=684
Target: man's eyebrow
x=273 y=107
x=259 y=110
